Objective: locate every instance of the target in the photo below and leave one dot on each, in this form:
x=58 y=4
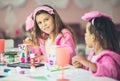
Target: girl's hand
x=77 y=64
x=40 y=57
x=28 y=41
x=77 y=61
x=79 y=58
x=85 y=62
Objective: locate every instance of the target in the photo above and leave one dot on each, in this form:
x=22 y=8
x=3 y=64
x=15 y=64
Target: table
x=40 y=74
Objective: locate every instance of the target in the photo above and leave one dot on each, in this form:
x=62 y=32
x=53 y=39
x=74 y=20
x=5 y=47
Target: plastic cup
x=62 y=56
x=2 y=45
x=62 y=59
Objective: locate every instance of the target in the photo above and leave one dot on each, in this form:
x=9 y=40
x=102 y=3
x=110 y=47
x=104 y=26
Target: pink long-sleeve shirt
x=108 y=64
x=64 y=39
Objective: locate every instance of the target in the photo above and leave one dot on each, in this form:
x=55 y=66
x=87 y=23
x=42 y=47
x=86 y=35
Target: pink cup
x=62 y=59
x=2 y=45
x=62 y=56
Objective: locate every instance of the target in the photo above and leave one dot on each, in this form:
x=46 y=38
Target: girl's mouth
x=46 y=28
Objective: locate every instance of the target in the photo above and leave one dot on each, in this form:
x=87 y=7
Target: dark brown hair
x=104 y=30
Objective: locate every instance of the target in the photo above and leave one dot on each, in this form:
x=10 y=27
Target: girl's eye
x=46 y=19
x=39 y=22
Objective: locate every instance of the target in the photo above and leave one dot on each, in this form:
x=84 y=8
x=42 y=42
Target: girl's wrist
x=28 y=38
x=85 y=63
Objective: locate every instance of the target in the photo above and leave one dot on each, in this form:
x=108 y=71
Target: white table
x=72 y=74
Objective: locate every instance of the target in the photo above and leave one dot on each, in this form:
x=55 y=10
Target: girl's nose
x=44 y=24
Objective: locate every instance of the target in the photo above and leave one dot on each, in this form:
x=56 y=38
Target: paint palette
x=2 y=76
x=24 y=65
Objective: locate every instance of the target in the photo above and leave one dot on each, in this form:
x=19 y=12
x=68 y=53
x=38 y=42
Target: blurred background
x=13 y=14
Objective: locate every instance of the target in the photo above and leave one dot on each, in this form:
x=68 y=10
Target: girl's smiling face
x=45 y=23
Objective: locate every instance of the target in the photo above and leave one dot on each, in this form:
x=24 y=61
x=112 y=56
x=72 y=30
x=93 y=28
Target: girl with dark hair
x=100 y=35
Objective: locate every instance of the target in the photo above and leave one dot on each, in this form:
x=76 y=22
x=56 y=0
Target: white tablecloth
x=40 y=74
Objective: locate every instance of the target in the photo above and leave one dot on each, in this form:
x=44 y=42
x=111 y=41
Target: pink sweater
x=66 y=40
x=108 y=64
